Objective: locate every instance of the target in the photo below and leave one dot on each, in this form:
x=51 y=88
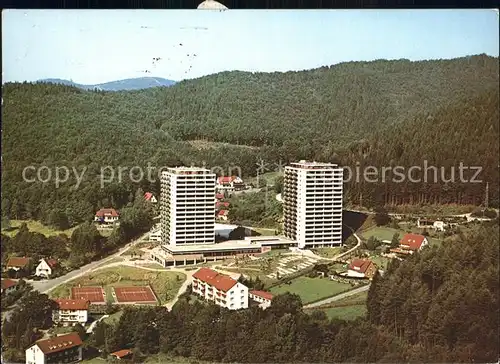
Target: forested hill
x=397 y=111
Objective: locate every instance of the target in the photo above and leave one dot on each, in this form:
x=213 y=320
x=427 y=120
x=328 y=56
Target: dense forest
x=381 y=113
x=439 y=305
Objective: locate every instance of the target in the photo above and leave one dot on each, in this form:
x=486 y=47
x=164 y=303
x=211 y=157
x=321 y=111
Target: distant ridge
x=119 y=85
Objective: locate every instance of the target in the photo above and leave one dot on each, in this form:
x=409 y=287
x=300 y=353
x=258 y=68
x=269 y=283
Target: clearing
x=35 y=226
x=312 y=289
x=327 y=252
x=386 y=233
x=165 y=284
x=348 y=308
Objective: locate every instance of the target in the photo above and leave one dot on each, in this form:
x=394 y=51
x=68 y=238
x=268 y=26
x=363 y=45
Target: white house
x=66 y=348
x=438 y=225
x=410 y=244
x=229 y=184
x=220 y=289
x=9 y=286
x=71 y=312
x=106 y=216
x=45 y=267
x=263 y=297
x=148 y=196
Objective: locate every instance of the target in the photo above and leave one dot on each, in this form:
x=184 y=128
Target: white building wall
x=70 y=316
x=187 y=205
x=234 y=299
x=237 y=297
x=34 y=355
x=43 y=269
x=312 y=204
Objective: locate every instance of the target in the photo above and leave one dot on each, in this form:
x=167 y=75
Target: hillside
x=120 y=85
x=383 y=112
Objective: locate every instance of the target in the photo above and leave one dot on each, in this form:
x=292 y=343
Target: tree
x=381 y=216
x=395 y=240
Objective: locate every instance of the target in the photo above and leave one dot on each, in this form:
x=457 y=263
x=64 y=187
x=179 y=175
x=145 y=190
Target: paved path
x=338 y=297
x=48 y=285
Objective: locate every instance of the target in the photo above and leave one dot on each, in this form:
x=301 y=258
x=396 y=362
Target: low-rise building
x=70 y=312
x=437 y=225
x=411 y=243
x=65 y=348
x=262 y=297
x=220 y=289
x=361 y=268
x=45 y=268
x=106 y=216
x=148 y=196
x=122 y=354
x=9 y=286
x=223 y=215
x=18 y=263
x=229 y=184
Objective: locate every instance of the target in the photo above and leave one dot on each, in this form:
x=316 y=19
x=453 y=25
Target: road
x=338 y=297
x=47 y=285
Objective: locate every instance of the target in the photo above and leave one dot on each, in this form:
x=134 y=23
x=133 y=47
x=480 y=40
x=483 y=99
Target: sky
x=97 y=46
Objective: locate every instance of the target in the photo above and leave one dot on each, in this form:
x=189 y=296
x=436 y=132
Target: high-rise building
x=187 y=206
x=312 y=204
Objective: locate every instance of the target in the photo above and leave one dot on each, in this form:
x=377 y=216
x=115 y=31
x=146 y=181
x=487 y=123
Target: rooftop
x=218 y=280
x=303 y=164
x=59 y=343
x=72 y=304
x=187 y=170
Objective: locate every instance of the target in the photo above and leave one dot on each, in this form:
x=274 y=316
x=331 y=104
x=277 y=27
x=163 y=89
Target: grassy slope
x=311 y=289
x=37 y=227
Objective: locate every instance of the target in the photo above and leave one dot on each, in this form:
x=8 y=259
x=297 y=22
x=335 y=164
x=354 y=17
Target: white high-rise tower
x=312 y=204
x=187 y=206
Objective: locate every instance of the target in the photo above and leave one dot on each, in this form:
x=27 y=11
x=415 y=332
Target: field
x=380 y=262
x=35 y=226
x=264 y=231
x=348 y=308
x=386 y=233
x=165 y=284
x=327 y=252
x=312 y=289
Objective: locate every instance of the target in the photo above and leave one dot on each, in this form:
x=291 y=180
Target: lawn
x=113 y=318
x=380 y=262
x=264 y=231
x=348 y=308
x=165 y=284
x=312 y=289
x=35 y=226
x=386 y=233
x=327 y=252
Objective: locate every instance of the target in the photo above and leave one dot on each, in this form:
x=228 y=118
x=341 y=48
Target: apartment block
x=187 y=206
x=220 y=289
x=312 y=204
x=71 y=311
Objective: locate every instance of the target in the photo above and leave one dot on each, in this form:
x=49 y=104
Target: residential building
x=71 y=311
x=219 y=196
x=431 y=224
x=122 y=354
x=230 y=184
x=220 y=204
x=220 y=289
x=65 y=348
x=223 y=215
x=155 y=235
x=312 y=204
x=18 y=263
x=148 y=196
x=187 y=206
x=9 y=286
x=262 y=297
x=411 y=243
x=106 y=216
x=45 y=268
x=361 y=268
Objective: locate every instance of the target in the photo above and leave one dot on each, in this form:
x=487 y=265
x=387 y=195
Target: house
x=71 y=311
x=220 y=289
x=9 y=286
x=263 y=297
x=65 y=348
x=122 y=354
x=229 y=183
x=18 y=263
x=223 y=215
x=219 y=204
x=45 y=268
x=361 y=268
x=106 y=216
x=219 y=196
x=429 y=224
x=148 y=196
x=410 y=244
x=438 y=225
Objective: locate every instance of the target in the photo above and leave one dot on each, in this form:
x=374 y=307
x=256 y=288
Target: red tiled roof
x=219 y=204
x=18 y=262
x=219 y=196
x=59 y=343
x=7 y=283
x=223 y=212
x=122 y=353
x=72 y=304
x=360 y=265
x=51 y=262
x=106 y=212
x=225 y=179
x=265 y=295
x=400 y=251
x=412 y=241
x=215 y=279
x=148 y=196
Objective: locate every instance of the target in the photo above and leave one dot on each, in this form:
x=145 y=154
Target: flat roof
x=187 y=170
x=225 y=226
x=312 y=165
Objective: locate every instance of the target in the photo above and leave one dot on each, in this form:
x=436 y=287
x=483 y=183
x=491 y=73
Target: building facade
x=70 y=312
x=45 y=267
x=312 y=204
x=220 y=289
x=61 y=349
x=187 y=206
x=262 y=297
